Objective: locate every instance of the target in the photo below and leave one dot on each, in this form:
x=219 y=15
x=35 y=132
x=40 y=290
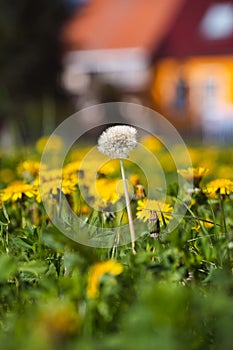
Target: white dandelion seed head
x=117 y=141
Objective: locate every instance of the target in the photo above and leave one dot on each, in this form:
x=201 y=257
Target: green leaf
x=7 y=267
x=3 y=219
x=72 y=260
x=34 y=267
x=5 y=213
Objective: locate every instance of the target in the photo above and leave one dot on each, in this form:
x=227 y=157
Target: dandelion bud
x=140 y=192
x=117 y=141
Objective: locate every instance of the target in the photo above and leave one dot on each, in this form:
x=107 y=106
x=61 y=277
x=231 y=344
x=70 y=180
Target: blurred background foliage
x=31 y=97
x=55 y=59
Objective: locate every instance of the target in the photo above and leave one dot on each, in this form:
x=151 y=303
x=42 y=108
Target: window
x=217 y=22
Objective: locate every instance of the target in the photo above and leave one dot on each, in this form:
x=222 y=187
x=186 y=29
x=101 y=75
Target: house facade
x=175 y=56
x=193 y=77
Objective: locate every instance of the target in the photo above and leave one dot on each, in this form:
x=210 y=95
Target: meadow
x=174 y=293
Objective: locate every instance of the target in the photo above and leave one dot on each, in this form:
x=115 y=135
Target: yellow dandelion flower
x=208 y=163
x=78 y=154
x=85 y=209
x=110 y=167
x=106 y=189
x=140 y=192
x=97 y=271
x=134 y=179
x=193 y=174
x=71 y=168
x=68 y=185
x=55 y=174
x=16 y=191
x=49 y=175
x=207 y=224
x=151 y=143
x=28 y=169
x=52 y=183
x=57 y=319
x=145 y=206
x=196 y=227
x=55 y=143
x=219 y=186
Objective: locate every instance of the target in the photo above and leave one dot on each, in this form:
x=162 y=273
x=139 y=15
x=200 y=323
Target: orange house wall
x=196 y=71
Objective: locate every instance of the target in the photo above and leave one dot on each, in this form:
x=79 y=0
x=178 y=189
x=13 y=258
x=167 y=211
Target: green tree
x=30 y=59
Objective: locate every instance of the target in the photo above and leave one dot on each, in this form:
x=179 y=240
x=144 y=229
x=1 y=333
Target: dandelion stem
x=129 y=212
x=221 y=202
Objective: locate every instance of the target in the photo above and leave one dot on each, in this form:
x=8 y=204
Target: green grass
x=175 y=293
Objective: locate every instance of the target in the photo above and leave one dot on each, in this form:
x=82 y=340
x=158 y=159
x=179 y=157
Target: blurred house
x=114 y=41
x=193 y=82
x=175 y=56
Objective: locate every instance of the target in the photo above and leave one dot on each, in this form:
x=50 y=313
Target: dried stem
x=129 y=212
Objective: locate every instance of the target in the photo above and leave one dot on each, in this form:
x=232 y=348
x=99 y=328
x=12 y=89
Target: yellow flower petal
x=222 y=186
x=110 y=266
x=145 y=206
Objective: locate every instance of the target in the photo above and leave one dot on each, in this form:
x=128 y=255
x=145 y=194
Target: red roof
x=104 y=24
x=161 y=27
x=186 y=37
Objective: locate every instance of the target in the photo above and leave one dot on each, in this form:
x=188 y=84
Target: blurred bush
x=30 y=66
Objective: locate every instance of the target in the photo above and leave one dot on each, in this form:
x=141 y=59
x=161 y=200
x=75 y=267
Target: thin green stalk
x=214 y=220
x=60 y=202
x=115 y=244
x=129 y=212
x=196 y=218
x=221 y=202
x=117 y=236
